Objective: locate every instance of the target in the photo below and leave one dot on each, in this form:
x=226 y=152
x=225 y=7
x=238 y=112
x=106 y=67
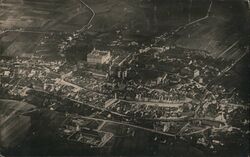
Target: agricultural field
x=35 y=15
x=143 y=19
x=33 y=21
x=219 y=34
x=27 y=26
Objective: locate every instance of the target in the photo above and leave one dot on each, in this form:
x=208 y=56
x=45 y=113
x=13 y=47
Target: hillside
x=224 y=28
x=143 y=19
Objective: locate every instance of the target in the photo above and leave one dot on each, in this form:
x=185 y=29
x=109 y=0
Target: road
x=24 y=31
x=88 y=25
x=127 y=124
x=79 y=102
x=104 y=121
x=197 y=132
x=79 y=87
x=229 y=48
x=96 y=107
x=227 y=69
x=83 y=28
x=157 y=104
x=186 y=25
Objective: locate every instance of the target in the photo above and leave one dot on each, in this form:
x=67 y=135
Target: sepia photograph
x=124 y=78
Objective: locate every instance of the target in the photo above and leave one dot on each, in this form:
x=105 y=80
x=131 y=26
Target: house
x=98 y=57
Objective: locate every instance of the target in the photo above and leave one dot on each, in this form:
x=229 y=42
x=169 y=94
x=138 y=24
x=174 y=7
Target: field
x=219 y=34
x=146 y=17
x=139 y=21
x=46 y=15
x=136 y=20
x=10 y=107
x=30 y=23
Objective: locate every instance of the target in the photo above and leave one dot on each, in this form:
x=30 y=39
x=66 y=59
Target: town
x=123 y=88
x=176 y=95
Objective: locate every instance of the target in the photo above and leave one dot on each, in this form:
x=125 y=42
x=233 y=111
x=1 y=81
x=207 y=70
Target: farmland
x=28 y=25
x=219 y=34
x=47 y=15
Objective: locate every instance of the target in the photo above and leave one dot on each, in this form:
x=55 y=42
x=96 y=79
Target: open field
x=219 y=34
x=209 y=35
x=38 y=27
x=145 y=18
x=132 y=18
x=36 y=15
x=135 y=20
x=10 y=107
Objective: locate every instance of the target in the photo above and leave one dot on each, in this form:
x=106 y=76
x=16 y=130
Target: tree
x=1 y=49
x=98 y=66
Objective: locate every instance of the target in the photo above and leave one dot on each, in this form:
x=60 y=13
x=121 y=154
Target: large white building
x=97 y=56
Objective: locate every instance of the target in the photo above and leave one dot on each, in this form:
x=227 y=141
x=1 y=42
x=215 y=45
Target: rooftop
x=96 y=52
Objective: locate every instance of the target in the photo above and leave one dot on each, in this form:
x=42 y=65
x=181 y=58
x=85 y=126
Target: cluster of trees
x=1 y=49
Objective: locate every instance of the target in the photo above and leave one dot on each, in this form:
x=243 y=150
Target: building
x=186 y=71
x=196 y=73
x=98 y=57
x=122 y=73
